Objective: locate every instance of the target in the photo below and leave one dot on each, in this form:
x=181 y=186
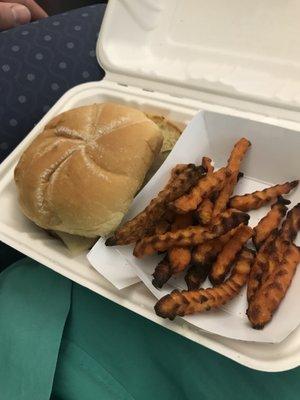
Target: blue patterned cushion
x=39 y=62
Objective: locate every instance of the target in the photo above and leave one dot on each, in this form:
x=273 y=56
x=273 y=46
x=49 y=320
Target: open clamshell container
x=236 y=61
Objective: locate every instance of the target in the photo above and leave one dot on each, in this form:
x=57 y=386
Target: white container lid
x=246 y=51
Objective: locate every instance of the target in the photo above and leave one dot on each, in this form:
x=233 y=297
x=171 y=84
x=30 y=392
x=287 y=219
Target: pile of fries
x=201 y=229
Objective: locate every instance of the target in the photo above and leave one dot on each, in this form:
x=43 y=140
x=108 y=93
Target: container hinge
x=135 y=87
x=138 y=84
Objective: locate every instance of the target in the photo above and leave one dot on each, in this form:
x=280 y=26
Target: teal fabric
x=34 y=304
x=85 y=377
x=154 y=363
x=108 y=352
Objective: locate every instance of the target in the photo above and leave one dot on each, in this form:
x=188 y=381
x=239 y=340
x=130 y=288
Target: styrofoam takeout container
x=175 y=57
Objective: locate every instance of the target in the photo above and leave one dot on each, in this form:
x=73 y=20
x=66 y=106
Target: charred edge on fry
x=294 y=183
x=159 y=310
x=161 y=274
x=240 y=175
x=213 y=197
x=283 y=201
x=196 y=275
x=111 y=241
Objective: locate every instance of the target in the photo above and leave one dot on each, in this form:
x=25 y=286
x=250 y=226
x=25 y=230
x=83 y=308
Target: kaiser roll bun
x=81 y=173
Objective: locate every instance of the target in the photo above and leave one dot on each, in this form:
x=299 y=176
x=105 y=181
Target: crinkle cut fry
x=196 y=275
x=259 y=266
x=277 y=250
x=271 y=293
x=233 y=165
x=177 y=258
x=180 y=256
x=205 y=208
x=207 y=252
x=270 y=221
x=227 y=255
x=190 y=236
x=238 y=152
x=291 y=225
x=190 y=302
x=257 y=199
x=270 y=255
x=215 y=194
x=273 y=245
x=204 y=187
x=222 y=198
x=224 y=195
x=183 y=177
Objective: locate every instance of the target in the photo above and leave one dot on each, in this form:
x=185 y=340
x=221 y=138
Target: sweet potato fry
x=260 y=266
x=233 y=165
x=221 y=199
x=291 y=225
x=207 y=252
x=190 y=302
x=205 y=211
x=183 y=177
x=207 y=165
x=238 y=152
x=213 y=197
x=162 y=273
x=270 y=294
x=180 y=256
x=271 y=252
x=227 y=255
x=277 y=251
x=196 y=275
x=190 y=236
x=204 y=187
x=270 y=222
x=215 y=194
x=257 y=199
x=224 y=195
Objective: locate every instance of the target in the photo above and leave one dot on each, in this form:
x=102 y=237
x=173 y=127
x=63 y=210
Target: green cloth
x=34 y=304
x=108 y=352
